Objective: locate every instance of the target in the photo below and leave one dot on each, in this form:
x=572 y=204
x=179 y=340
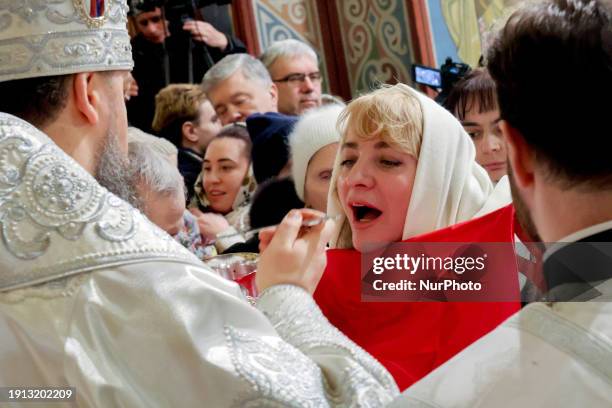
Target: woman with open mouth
x=405 y=167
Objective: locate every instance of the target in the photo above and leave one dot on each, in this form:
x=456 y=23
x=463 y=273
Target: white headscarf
x=449 y=186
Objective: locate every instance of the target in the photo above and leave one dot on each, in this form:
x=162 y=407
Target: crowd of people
x=126 y=170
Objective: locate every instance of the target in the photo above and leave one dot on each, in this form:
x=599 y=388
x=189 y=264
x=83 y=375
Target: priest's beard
x=522 y=212
x=113 y=171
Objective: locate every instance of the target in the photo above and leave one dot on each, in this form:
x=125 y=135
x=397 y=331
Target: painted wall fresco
x=375 y=36
x=442 y=42
x=461 y=28
x=282 y=19
x=375 y=41
x=375 y=33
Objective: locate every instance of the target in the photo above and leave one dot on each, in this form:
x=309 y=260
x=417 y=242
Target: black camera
x=442 y=79
x=430 y=77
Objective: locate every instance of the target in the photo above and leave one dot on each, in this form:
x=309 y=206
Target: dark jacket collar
x=573 y=271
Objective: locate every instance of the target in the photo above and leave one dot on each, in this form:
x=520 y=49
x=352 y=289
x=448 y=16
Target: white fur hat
x=43 y=38
x=315 y=130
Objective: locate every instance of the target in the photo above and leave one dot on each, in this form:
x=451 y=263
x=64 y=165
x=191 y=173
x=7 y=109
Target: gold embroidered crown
x=55 y=37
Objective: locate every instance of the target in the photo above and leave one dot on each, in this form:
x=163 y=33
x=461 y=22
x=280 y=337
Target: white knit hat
x=315 y=130
x=43 y=38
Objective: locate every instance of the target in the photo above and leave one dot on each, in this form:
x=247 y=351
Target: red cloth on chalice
x=412 y=338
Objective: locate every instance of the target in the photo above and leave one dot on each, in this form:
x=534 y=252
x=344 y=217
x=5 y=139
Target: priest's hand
x=292 y=254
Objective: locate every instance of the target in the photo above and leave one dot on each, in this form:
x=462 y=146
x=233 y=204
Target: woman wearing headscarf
x=224 y=188
x=406 y=168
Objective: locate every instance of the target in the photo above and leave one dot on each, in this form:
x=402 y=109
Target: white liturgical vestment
x=547 y=355
x=94 y=296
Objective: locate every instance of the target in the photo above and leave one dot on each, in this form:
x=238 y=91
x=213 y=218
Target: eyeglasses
x=295 y=79
x=153 y=20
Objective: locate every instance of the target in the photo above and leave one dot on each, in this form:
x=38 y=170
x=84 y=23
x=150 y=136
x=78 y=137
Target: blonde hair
x=392 y=113
x=177 y=104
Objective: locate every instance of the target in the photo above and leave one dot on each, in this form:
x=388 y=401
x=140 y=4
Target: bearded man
x=559 y=352
x=93 y=295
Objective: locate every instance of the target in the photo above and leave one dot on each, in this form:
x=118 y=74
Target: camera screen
x=427 y=76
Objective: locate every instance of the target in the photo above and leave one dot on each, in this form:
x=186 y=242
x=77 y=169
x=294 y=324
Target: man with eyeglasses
x=161 y=59
x=294 y=68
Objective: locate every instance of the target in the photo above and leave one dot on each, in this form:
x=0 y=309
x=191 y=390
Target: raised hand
x=293 y=254
x=206 y=33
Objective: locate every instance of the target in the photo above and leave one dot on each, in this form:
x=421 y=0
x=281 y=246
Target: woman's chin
x=220 y=209
x=366 y=244
x=497 y=175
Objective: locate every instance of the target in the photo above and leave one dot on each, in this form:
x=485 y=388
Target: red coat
x=413 y=338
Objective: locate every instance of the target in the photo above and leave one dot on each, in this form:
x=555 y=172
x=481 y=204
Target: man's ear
x=87 y=99
x=274 y=94
x=188 y=131
x=520 y=156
